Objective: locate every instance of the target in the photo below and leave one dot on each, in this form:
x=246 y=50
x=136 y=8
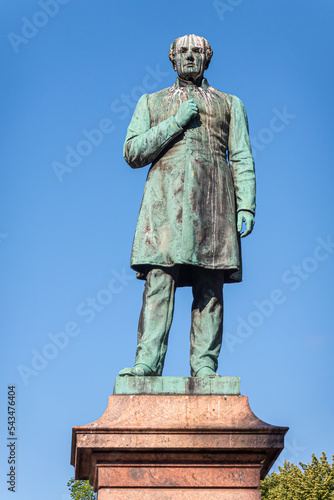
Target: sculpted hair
x=207 y=49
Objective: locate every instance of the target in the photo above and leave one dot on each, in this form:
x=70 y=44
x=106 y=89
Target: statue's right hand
x=186 y=112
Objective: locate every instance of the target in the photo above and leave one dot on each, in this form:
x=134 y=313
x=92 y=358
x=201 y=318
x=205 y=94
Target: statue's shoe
x=137 y=371
x=206 y=372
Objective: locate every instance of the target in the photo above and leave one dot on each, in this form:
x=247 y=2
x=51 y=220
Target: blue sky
x=72 y=73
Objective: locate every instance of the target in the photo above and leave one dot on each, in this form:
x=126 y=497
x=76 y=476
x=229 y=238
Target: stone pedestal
x=176 y=438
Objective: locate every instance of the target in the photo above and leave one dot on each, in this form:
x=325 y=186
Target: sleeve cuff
x=246 y=210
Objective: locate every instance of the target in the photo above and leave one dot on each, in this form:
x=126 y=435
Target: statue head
x=190 y=56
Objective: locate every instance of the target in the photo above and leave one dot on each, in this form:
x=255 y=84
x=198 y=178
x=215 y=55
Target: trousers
x=157 y=313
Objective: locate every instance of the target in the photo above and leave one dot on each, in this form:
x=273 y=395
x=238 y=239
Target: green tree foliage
x=312 y=481
x=81 y=490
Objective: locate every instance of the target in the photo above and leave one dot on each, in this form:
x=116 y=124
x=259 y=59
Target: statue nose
x=190 y=55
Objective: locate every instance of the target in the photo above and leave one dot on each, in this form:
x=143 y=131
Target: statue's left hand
x=248 y=219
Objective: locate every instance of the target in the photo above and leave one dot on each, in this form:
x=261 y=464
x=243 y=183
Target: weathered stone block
x=177 y=385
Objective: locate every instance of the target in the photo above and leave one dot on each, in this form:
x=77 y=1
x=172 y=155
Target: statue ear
x=208 y=56
x=171 y=55
x=207 y=62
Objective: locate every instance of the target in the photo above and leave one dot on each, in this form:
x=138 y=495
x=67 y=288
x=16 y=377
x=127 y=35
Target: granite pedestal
x=176 y=438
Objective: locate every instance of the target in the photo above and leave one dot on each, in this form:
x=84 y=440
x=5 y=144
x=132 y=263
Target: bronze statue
x=199 y=191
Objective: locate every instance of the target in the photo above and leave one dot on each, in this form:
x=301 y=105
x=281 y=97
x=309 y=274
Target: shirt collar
x=183 y=83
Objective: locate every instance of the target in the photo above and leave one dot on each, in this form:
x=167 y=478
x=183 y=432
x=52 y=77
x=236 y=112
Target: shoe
x=206 y=372
x=137 y=371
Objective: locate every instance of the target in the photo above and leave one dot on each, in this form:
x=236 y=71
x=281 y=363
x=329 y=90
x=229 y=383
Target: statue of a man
x=199 y=191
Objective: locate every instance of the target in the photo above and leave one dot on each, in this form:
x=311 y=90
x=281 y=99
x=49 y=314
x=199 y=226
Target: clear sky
x=72 y=72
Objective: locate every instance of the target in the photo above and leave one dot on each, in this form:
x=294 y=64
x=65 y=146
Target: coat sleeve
x=144 y=143
x=240 y=157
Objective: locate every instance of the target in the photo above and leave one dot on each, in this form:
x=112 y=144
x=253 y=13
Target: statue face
x=189 y=60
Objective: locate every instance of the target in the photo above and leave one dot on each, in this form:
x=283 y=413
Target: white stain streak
x=208 y=105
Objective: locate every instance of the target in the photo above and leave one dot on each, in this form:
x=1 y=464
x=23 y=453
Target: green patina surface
x=202 y=170
x=199 y=191
x=177 y=385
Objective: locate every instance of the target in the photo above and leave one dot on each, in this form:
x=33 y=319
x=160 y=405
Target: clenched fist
x=186 y=112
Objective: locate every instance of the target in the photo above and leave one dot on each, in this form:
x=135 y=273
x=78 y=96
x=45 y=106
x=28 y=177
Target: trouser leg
x=156 y=318
x=206 y=320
